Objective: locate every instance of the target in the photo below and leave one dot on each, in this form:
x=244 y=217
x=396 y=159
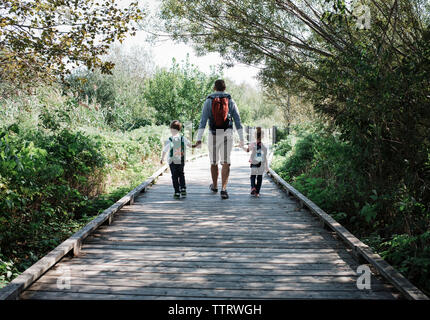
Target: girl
x=258 y=160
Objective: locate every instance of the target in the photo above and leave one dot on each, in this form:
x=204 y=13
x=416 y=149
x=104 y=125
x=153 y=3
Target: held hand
x=198 y=144
x=241 y=144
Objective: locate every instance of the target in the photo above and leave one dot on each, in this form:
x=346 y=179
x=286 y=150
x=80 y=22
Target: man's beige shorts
x=220 y=146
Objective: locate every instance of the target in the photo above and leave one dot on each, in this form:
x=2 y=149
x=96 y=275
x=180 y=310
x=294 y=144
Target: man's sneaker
x=177 y=195
x=253 y=191
x=184 y=192
x=215 y=190
x=257 y=195
x=224 y=194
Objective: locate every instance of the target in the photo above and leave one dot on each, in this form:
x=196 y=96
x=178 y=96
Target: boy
x=175 y=146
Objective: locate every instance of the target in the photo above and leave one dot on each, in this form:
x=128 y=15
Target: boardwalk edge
x=407 y=289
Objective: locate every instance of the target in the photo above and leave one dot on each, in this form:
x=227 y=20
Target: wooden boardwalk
x=203 y=247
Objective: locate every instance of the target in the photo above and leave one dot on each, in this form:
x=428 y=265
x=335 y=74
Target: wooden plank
x=224 y=293
x=209 y=233
x=202 y=247
x=92 y=274
x=224 y=276
x=305 y=255
x=46 y=295
x=295 y=295
x=231 y=234
x=207 y=240
x=263 y=252
x=207 y=220
x=196 y=235
x=226 y=257
x=51 y=274
x=294 y=264
x=344 y=270
x=280 y=270
x=245 y=243
x=47 y=282
x=118 y=235
x=177 y=213
x=214 y=224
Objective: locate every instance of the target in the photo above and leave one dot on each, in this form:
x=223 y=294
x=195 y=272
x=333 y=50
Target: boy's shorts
x=220 y=146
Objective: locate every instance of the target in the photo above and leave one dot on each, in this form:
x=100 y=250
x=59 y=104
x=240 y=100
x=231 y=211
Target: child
x=258 y=161
x=176 y=147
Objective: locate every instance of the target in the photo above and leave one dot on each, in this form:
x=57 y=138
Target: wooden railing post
x=77 y=248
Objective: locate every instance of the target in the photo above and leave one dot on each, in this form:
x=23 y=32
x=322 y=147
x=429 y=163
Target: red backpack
x=220 y=112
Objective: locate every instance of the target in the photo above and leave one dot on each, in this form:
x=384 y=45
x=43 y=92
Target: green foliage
x=43 y=178
x=179 y=93
x=410 y=255
x=282 y=134
x=118 y=98
x=254 y=108
x=42 y=39
x=7 y=271
x=282 y=148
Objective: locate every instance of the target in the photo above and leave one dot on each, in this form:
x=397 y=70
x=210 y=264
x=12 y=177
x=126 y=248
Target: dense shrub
x=282 y=134
x=282 y=148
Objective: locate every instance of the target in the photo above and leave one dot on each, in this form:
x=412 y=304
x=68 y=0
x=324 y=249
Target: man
x=221 y=111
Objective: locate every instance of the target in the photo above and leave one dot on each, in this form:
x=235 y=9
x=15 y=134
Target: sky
x=164 y=51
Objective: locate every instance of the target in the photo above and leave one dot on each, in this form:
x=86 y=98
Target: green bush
x=44 y=180
x=282 y=134
x=178 y=92
x=282 y=148
x=410 y=255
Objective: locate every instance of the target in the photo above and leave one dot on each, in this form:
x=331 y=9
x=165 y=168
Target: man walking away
x=221 y=111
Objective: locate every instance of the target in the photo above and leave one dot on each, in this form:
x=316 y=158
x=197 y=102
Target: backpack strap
x=182 y=150
x=171 y=147
x=225 y=95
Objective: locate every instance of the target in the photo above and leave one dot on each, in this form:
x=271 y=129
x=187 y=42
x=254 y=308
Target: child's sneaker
x=183 y=192
x=177 y=195
x=253 y=191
